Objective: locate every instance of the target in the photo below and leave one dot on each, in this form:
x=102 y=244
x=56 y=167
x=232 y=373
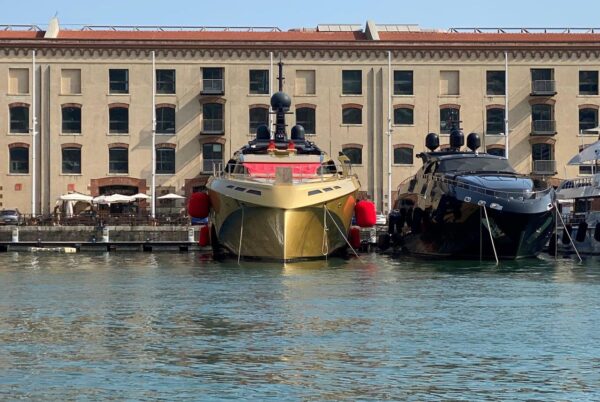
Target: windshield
x=474 y=164
x=7 y=212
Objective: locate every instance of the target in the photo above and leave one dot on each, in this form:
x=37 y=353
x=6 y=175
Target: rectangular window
x=588 y=169
x=165 y=81
x=403 y=83
x=118 y=120
x=212 y=154
x=19 y=160
x=19 y=119
x=18 y=81
x=403 y=116
x=71 y=120
x=70 y=81
x=118 y=160
x=71 y=161
x=165 y=120
x=305 y=82
x=305 y=117
x=258 y=116
x=449 y=117
x=212 y=81
x=352 y=82
x=351 y=115
x=588 y=83
x=212 y=118
x=259 y=82
x=403 y=156
x=118 y=81
x=165 y=161
x=588 y=120
x=495 y=82
x=449 y=83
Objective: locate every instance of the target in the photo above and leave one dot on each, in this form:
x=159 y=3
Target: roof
x=323 y=35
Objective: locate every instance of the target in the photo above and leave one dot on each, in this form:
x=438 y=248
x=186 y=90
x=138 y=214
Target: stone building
x=82 y=118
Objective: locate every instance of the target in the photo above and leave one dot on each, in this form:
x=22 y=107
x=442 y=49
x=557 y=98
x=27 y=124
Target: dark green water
x=176 y=326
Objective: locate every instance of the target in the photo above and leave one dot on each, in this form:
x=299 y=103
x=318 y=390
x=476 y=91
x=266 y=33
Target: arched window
x=404 y=115
x=588 y=118
x=353 y=153
x=118 y=120
x=305 y=116
x=212 y=118
x=71 y=160
x=165 y=120
x=542 y=119
x=18 y=159
x=19 y=119
x=542 y=155
x=403 y=155
x=448 y=116
x=118 y=160
x=71 y=119
x=497 y=151
x=494 y=121
x=351 y=115
x=212 y=155
x=165 y=160
x=257 y=117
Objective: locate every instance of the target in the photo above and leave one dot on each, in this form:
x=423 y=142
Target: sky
x=441 y=14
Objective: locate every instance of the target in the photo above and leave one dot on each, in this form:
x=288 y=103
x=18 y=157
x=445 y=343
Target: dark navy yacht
x=465 y=204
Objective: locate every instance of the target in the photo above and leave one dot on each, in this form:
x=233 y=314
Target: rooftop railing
x=325 y=172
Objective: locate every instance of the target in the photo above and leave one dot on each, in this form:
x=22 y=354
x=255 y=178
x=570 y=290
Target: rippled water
x=176 y=326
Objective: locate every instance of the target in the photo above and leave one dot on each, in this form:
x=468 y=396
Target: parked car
x=11 y=217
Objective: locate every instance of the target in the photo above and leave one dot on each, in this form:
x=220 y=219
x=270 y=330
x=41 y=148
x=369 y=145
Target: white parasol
x=141 y=196
x=76 y=197
x=170 y=196
x=119 y=198
x=588 y=154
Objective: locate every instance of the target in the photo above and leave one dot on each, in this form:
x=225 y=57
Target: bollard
x=191 y=234
x=15 y=235
x=105 y=234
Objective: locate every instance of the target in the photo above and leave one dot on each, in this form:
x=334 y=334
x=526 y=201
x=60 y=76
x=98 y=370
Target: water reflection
x=180 y=326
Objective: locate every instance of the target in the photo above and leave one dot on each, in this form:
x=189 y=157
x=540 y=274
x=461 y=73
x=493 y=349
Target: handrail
x=507 y=194
x=575 y=183
x=218 y=171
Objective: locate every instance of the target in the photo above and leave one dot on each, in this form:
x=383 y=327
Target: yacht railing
x=324 y=173
x=575 y=183
x=519 y=195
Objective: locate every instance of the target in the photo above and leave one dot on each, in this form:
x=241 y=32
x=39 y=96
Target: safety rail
x=519 y=195
x=575 y=183
x=321 y=175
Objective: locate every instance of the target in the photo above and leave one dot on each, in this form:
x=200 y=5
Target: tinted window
x=71 y=160
x=305 y=116
x=351 y=115
x=354 y=154
x=403 y=115
x=403 y=82
x=352 y=82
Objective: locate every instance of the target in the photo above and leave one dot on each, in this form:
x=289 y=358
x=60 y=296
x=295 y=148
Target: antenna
x=280 y=78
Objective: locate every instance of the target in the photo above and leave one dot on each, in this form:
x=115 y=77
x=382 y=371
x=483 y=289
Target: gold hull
x=258 y=230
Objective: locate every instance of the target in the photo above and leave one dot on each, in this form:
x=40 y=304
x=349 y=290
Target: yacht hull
x=311 y=231
x=465 y=233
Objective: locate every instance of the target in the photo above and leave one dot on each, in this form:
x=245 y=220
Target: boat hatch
x=327 y=189
x=313 y=192
x=230 y=186
x=240 y=189
x=255 y=192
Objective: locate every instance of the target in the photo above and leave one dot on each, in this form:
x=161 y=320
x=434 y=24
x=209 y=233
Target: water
x=177 y=326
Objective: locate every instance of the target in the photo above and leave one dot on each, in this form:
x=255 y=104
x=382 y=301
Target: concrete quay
x=108 y=238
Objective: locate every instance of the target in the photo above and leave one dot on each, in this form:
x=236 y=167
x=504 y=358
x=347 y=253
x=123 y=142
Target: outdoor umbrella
x=101 y=199
x=589 y=153
x=170 y=196
x=141 y=196
x=76 y=197
x=118 y=198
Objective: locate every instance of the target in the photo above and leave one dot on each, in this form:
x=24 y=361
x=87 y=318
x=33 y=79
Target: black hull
x=466 y=235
